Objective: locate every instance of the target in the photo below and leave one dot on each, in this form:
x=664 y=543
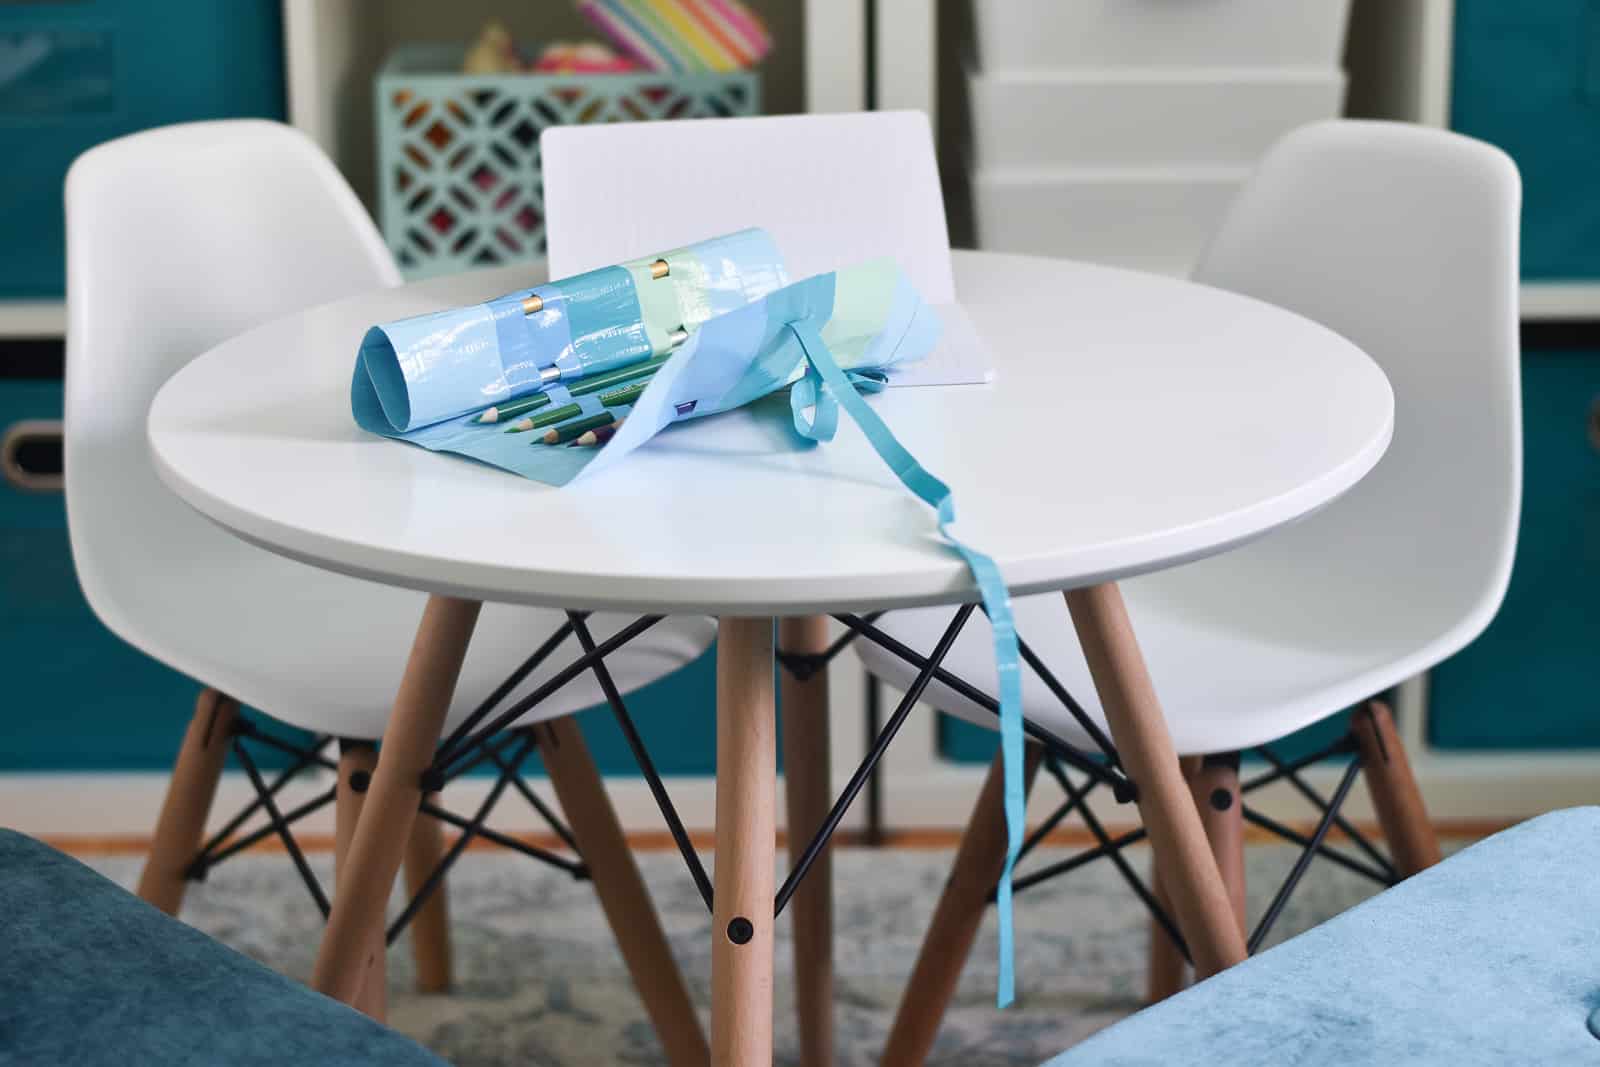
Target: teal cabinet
x=1532 y=681
x=1526 y=76
x=76 y=74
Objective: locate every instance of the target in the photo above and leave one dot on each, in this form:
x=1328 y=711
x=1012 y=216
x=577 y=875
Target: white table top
x=1134 y=422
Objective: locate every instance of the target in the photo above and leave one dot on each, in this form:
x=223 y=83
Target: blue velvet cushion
x=90 y=974
x=1492 y=957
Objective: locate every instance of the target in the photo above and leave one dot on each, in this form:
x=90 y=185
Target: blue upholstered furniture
x=90 y=974
x=1492 y=957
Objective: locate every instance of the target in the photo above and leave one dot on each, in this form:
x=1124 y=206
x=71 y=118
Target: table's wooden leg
x=809 y=795
x=948 y=942
x=430 y=926
x=394 y=796
x=356 y=763
x=1401 y=812
x=742 y=921
x=1168 y=971
x=190 y=791
x=622 y=892
x=1139 y=730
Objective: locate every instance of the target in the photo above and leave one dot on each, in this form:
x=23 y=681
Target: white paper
x=960 y=358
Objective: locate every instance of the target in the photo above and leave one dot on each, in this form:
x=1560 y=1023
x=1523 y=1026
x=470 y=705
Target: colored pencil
x=565 y=411
x=660 y=269
x=613 y=378
x=597 y=436
x=616 y=398
x=533 y=305
x=576 y=428
x=512 y=408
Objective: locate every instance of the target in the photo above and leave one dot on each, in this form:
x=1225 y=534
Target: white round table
x=1133 y=423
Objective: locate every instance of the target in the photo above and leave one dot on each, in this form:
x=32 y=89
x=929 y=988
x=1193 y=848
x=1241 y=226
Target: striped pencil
x=554 y=415
x=576 y=428
x=511 y=409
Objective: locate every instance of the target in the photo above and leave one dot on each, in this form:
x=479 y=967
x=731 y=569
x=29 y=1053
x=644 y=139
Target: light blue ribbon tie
x=825 y=388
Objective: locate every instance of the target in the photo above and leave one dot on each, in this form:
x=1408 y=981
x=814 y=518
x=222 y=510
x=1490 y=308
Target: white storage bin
x=1016 y=35
x=1148 y=220
x=1143 y=117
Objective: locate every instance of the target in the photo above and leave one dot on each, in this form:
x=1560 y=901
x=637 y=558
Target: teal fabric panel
x=89 y=71
x=1530 y=681
x=1488 y=958
x=93 y=975
x=1526 y=77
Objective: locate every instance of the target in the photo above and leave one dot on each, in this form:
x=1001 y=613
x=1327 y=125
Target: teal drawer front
x=1531 y=681
x=1526 y=76
x=79 y=699
x=76 y=74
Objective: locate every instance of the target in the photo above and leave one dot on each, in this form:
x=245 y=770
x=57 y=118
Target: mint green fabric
x=90 y=974
x=1492 y=957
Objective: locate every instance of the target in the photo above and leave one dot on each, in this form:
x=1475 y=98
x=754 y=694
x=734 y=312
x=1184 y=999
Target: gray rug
x=539 y=981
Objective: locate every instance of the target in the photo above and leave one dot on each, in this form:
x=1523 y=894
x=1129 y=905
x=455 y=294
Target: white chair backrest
x=1404 y=240
x=178 y=238
x=831 y=189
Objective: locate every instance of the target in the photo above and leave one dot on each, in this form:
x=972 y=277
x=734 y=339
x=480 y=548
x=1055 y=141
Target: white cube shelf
x=1016 y=35
x=1142 y=117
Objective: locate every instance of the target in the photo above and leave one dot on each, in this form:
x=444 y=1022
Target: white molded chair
x=831 y=190
x=1404 y=240
x=177 y=239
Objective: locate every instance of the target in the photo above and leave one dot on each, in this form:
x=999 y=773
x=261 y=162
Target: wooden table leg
x=742 y=921
x=1139 y=730
x=945 y=947
x=430 y=926
x=1395 y=796
x=622 y=892
x=357 y=760
x=809 y=795
x=190 y=791
x=394 y=796
x=1168 y=971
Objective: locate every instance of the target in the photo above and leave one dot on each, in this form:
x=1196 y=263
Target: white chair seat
x=1242 y=649
x=328 y=651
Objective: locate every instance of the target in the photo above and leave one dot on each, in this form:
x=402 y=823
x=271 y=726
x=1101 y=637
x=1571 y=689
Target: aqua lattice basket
x=458 y=154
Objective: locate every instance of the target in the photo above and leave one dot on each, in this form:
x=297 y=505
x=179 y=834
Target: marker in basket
x=596 y=437
x=547 y=418
x=576 y=428
x=513 y=408
x=612 y=379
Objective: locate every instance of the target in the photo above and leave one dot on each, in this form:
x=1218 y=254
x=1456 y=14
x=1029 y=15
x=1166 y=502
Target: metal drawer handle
x=30 y=455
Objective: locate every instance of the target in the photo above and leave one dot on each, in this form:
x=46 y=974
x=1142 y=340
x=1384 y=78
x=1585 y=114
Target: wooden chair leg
x=622 y=892
x=430 y=926
x=1168 y=970
x=356 y=762
x=380 y=839
x=1139 y=730
x=1215 y=787
x=960 y=910
x=809 y=795
x=182 y=823
x=741 y=920
x=1395 y=796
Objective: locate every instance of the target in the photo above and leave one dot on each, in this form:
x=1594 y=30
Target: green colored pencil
x=626 y=395
x=554 y=415
x=512 y=408
x=614 y=377
x=576 y=428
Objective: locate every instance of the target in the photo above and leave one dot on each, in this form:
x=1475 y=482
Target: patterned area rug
x=539 y=982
